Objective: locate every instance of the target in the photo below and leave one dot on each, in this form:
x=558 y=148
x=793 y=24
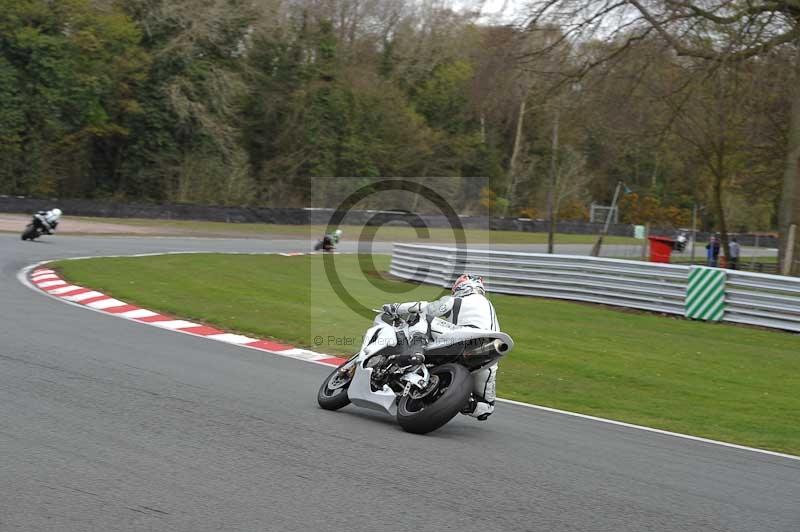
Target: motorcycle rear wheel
x=428 y=413
x=332 y=395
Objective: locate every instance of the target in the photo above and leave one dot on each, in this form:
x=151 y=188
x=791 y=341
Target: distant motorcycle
x=418 y=371
x=42 y=223
x=329 y=241
x=325 y=244
x=681 y=240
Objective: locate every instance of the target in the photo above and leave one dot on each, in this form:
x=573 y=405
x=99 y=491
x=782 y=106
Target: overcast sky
x=504 y=10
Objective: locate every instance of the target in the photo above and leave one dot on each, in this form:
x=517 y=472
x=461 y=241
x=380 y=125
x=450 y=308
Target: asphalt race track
x=110 y=425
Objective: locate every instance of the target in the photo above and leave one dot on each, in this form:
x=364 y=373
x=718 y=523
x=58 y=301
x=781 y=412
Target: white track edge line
x=22 y=276
x=647 y=429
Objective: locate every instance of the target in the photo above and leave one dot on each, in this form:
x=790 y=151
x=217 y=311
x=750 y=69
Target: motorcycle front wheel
x=427 y=413
x=332 y=395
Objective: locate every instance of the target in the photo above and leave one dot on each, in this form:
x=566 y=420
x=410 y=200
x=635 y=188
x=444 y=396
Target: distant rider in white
x=467 y=307
x=48 y=220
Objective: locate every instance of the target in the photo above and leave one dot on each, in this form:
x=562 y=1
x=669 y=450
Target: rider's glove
x=390 y=309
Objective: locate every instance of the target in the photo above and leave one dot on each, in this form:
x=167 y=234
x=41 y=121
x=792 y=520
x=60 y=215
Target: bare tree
x=718 y=32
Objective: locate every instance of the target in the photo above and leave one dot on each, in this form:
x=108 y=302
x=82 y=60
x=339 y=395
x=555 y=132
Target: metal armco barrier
x=765 y=300
x=749 y=298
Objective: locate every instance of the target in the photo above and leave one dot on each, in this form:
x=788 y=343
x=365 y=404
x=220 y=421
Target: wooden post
x=788 y=256
x=552 y=198
x=512 y=165
x=693 y=240
x=646 y=241
x=753 y=256
x=599 y=243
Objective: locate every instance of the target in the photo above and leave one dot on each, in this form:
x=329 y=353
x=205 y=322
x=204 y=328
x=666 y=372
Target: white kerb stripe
x=175 y=324
x=64 y=289
x=106 y=303
x=44 y=277
x=50 y=284
x=232 y=338
x=138 y=313
x=83 y=297
x=43 y=271
x=303 y=354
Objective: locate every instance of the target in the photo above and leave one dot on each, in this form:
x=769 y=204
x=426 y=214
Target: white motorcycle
x=418 y=370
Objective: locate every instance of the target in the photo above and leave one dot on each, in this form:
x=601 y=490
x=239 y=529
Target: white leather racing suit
x=48 y=219
x=473 y=310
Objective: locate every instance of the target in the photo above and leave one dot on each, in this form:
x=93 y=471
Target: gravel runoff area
x=17 y=222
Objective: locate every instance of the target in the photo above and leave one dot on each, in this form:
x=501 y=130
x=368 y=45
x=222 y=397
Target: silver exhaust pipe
x=496 y=348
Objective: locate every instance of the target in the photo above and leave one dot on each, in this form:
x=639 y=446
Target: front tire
x=428 y=413
x=332 y=395
x=29 y=233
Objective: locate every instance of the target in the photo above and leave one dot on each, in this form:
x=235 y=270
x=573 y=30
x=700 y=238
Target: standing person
x=735 y=252
x=712 y=251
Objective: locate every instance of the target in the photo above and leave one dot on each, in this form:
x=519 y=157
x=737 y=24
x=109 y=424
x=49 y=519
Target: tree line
x=238 y=102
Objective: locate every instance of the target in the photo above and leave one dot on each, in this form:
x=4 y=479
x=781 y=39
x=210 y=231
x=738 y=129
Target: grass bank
x=718 y=381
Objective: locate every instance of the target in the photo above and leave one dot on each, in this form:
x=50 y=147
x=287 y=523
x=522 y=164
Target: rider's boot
x=481 y=405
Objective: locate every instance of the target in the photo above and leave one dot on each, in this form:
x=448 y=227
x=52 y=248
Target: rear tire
x=332 y=395
x=420 y=416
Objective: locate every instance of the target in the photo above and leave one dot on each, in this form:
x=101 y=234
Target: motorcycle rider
x=47 y=220
x=467 y=307
x=680 y=242
x=330 y=240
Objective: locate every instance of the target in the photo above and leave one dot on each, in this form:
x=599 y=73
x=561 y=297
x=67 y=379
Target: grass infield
x=725 y=382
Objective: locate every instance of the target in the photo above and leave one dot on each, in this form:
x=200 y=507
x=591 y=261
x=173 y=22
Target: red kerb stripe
x=73 y=292
x=269 y=346
x=120 y=310
x=93 y=299
x=334 y=361
x=157 y=317
x=201 y=330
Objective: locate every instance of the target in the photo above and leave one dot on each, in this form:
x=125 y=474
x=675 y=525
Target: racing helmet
x=337 y=233
x=468 y=284
x=56 y=213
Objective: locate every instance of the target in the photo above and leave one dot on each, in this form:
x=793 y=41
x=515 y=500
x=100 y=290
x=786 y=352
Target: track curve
x=106 y=425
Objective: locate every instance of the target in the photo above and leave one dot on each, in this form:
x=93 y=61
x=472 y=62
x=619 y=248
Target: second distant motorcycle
x=329 y=241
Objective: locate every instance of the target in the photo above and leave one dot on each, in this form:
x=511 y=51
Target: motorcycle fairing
x=376 y=339
x=383 y=335
x=361 y=394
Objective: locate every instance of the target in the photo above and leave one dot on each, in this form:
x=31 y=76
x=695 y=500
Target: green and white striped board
x=705 y=294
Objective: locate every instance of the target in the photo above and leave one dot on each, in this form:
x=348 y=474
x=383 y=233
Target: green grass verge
x=351 y=232
x=719 y=381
